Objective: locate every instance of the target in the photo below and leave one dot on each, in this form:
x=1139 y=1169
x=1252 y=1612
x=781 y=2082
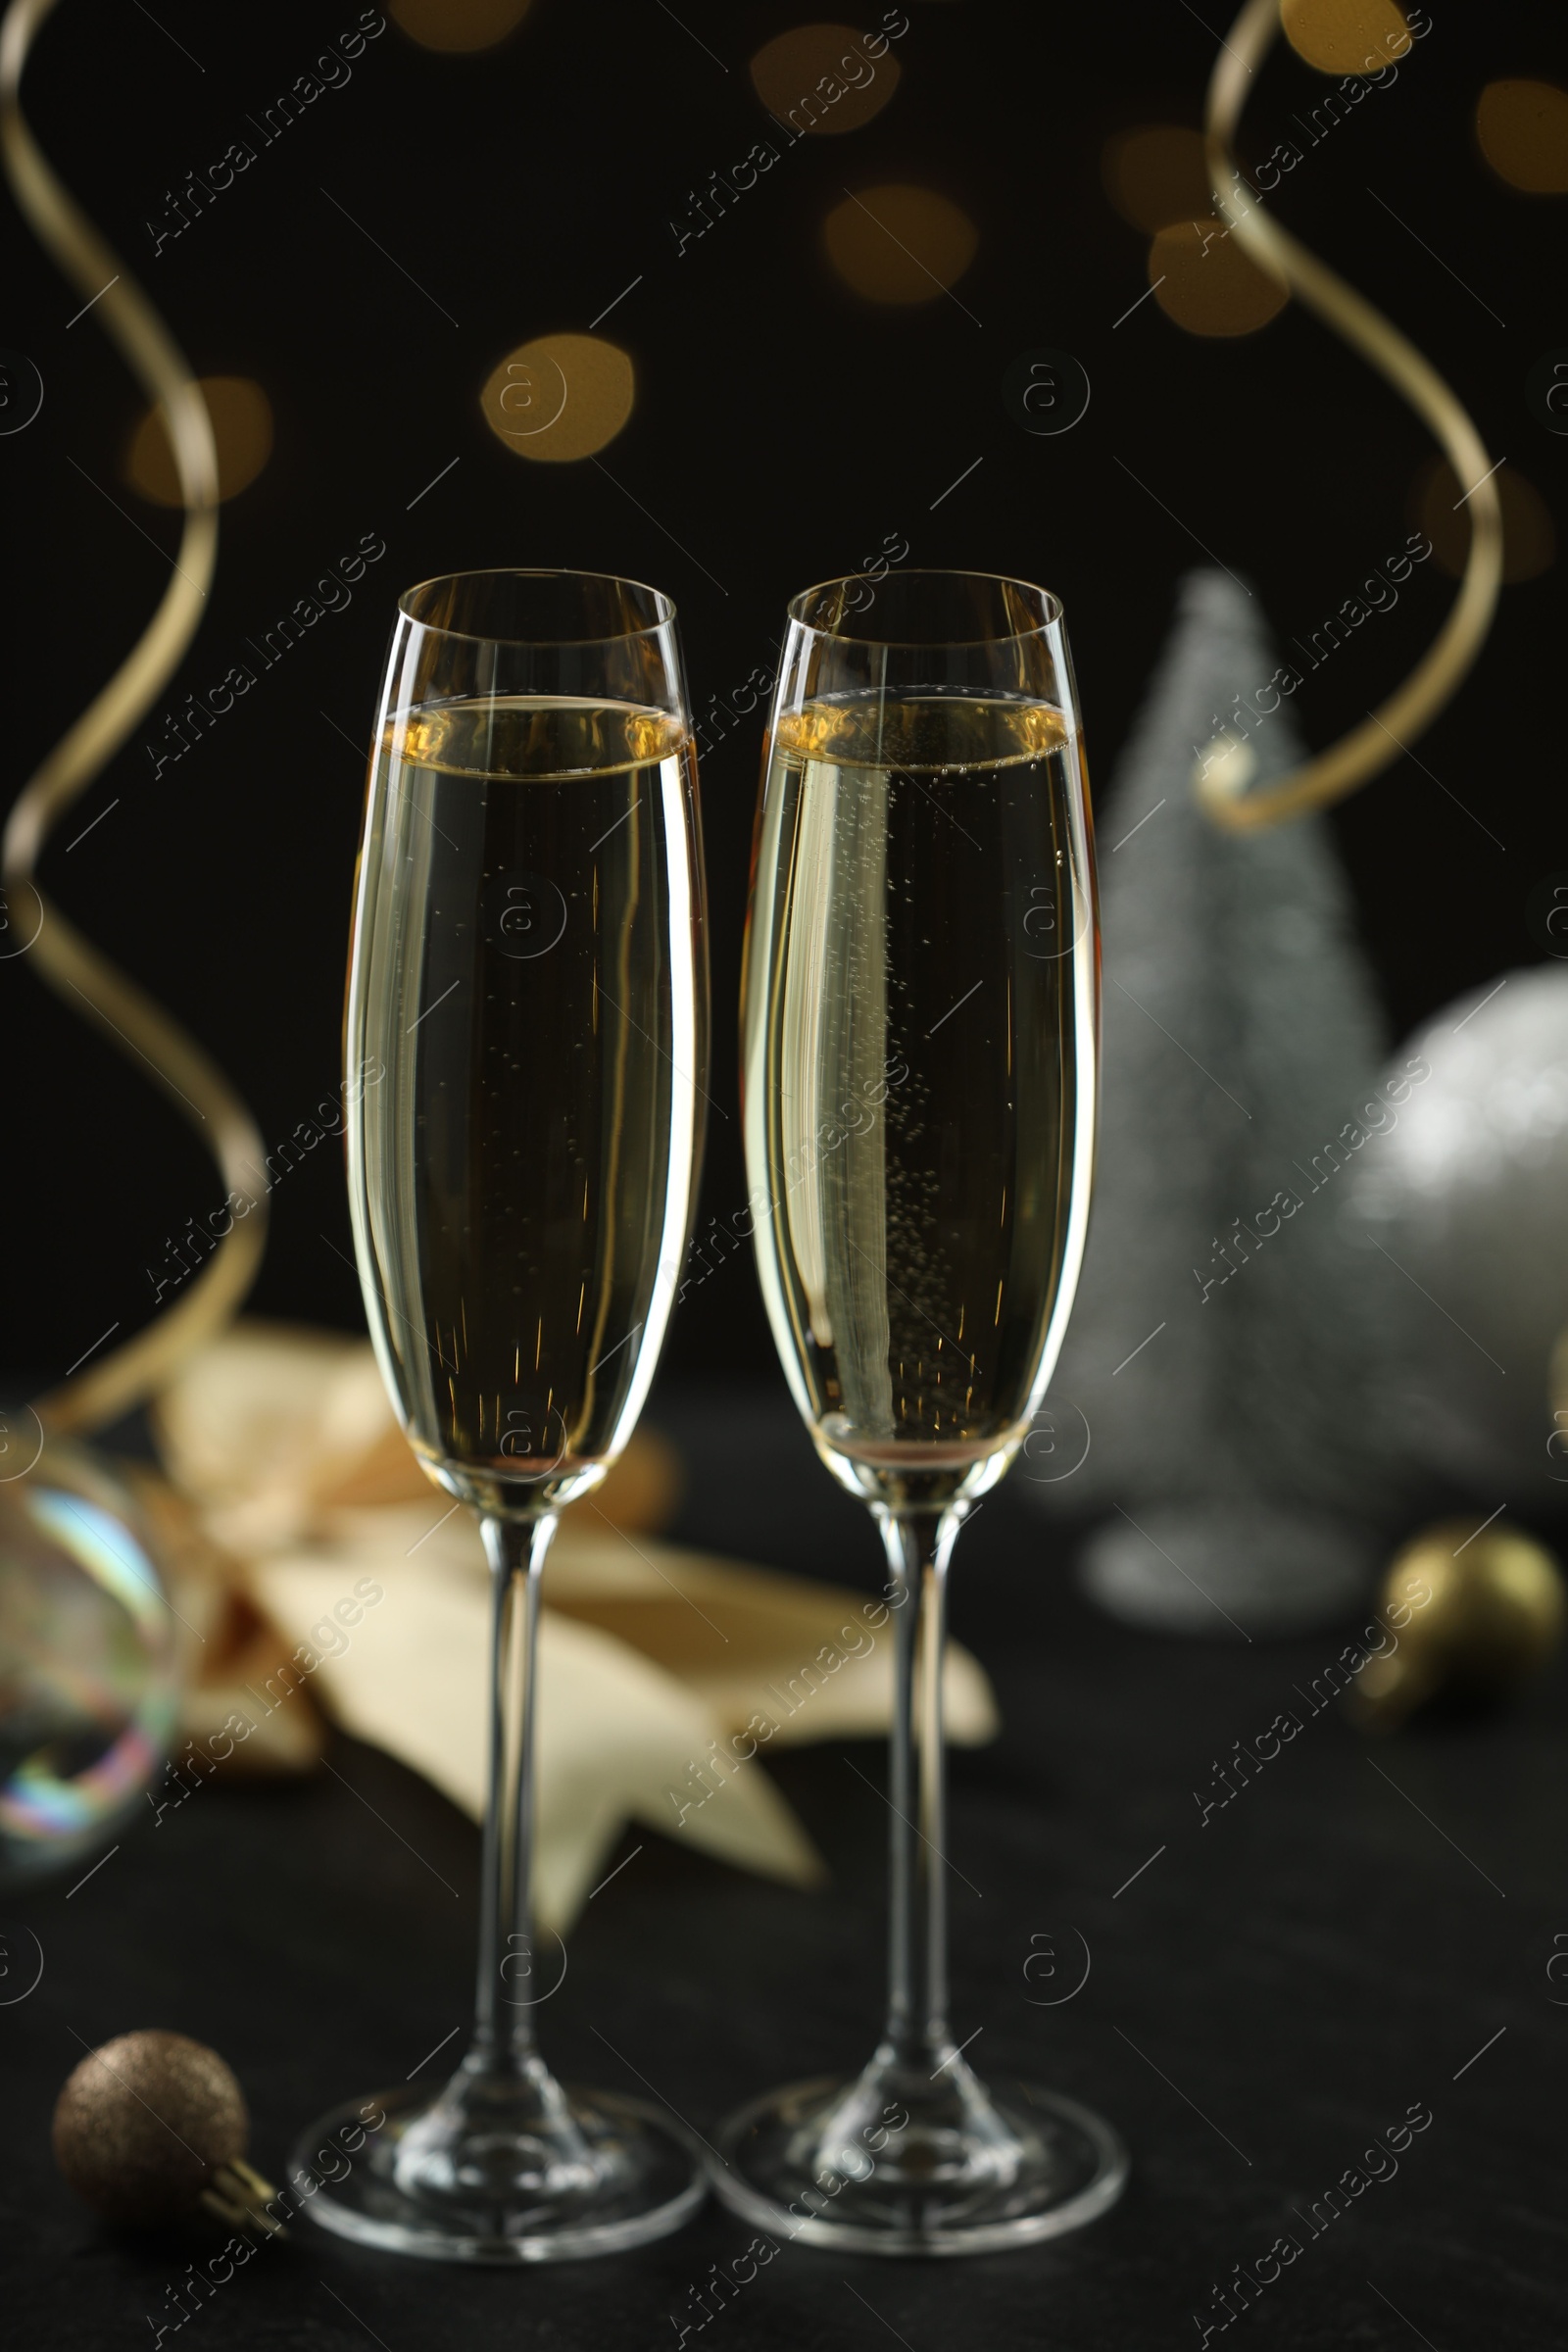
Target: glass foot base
x=881 y=2164
x=501 y=2173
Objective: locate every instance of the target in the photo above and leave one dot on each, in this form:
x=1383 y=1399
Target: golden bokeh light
x=900 y=244
x=560 y=397
x=1156 y=174
x=1204 y=280
x=1523 y=130
x=821 y=78
x=242 y=430
x=1529 y=535
x=457 y=26
x=1346 y=36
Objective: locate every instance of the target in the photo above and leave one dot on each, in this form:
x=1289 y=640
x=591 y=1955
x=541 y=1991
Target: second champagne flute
x=525 y=1042
x=921 y=1033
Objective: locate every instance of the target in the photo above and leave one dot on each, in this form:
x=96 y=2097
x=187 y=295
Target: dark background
x=783 y=427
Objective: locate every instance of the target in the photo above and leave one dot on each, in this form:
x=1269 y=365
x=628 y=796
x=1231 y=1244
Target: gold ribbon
x=74 y=968
x=1374 y=745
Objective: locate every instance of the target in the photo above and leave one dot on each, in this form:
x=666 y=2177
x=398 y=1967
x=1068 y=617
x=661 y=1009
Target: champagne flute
x=920 y=1059
x=525 y=1039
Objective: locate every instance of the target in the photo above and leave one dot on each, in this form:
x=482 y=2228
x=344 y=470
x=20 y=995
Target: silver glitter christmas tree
x=1218 y=1397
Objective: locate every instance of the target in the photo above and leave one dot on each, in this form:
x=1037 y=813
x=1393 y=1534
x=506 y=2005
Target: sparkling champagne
x=523 y=1173
x=921 y=1016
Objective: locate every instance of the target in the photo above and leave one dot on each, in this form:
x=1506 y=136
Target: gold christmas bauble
x=1470 y=1616
x=145 y=2124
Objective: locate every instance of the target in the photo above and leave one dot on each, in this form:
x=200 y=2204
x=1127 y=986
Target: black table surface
x=1363 y=1931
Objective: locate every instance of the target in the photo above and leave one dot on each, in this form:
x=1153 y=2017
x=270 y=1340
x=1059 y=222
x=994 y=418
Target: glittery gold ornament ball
x=1467 y=1614
x=143 y=2125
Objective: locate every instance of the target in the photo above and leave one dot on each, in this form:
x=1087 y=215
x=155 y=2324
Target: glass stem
x=504 y=2034
x=918 y=1545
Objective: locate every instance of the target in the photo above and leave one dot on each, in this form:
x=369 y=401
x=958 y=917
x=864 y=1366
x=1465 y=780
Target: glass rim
x=1054 y=609
x=664 y=604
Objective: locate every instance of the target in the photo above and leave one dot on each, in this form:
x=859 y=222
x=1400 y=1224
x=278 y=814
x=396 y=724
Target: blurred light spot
x=1523 y=130
x=1346 y=36
x=1229 y=767
x=560 y=397
x=242 y=428
x=1156 y=174
x=1209 y=284
x=1529 y=536
x=457 y=25
x=900 y=244
x=819 y=79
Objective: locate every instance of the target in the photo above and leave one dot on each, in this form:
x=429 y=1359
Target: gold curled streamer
x=1380 y=739
x=74 y=968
